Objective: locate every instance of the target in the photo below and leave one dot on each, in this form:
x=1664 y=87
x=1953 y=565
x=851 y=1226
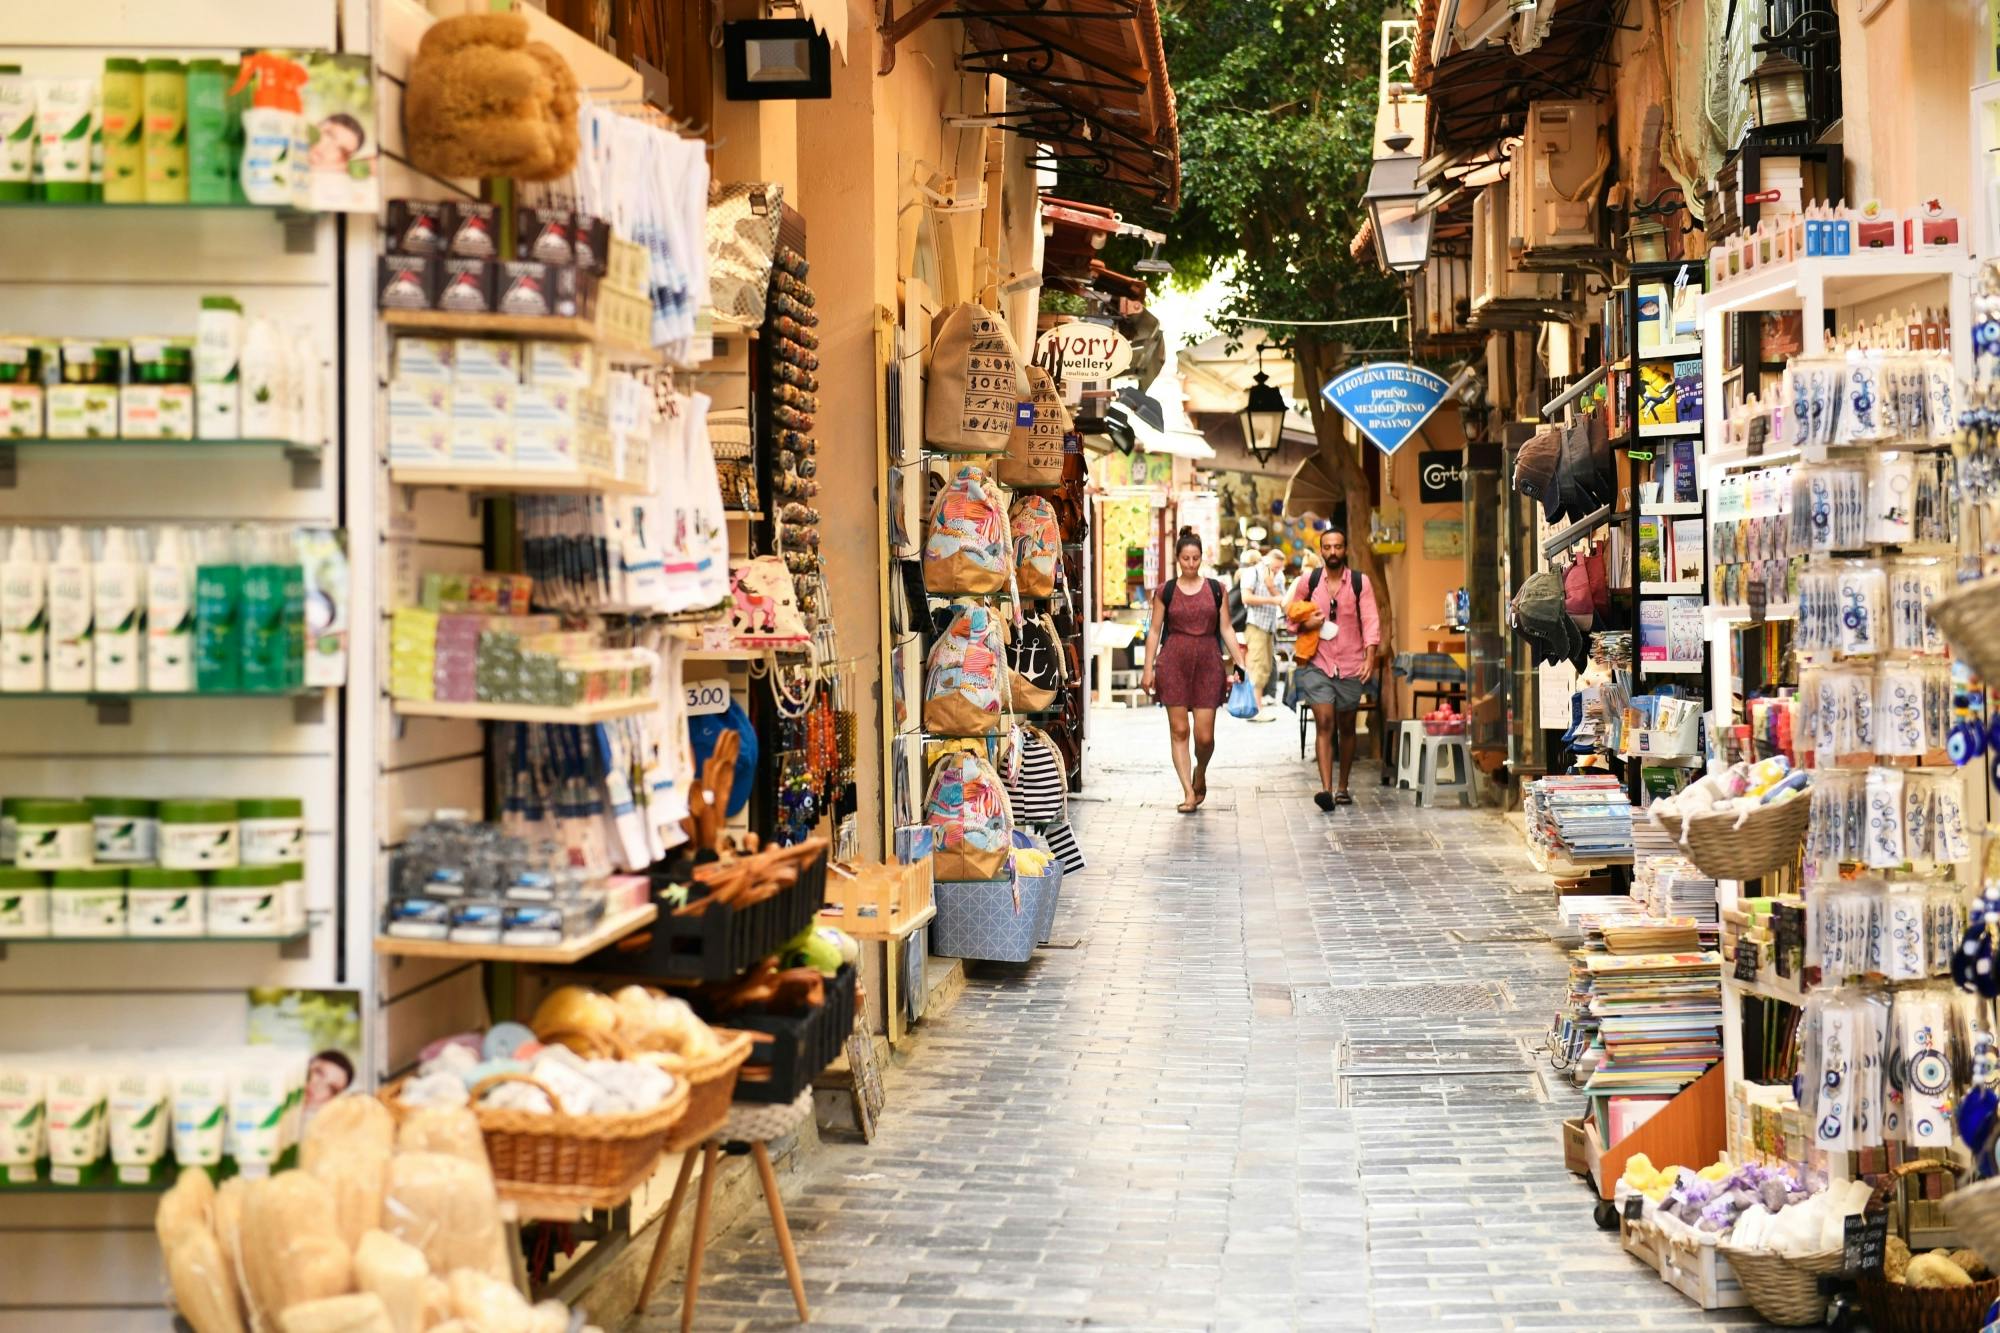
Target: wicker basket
x=1769 y=839
x=1970 y=619
x=563 y=1160
x=1975 y=1211
x=713 y=1088
x=1894 y=1307
x=1784 y=1290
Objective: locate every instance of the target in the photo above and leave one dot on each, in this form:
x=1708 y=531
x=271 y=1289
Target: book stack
x=1671 y=886
x=1659 y=1018
x=1580 y=817
x=1640 y=932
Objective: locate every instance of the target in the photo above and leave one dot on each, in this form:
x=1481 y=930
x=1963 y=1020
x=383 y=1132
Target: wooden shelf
x=1722 y=460
x=1692 y=588
x=562 y=328
x=529 y=481
x=1672 y=352
x=1670 y=430
x=581 y=715
x=1663 y=508
x=569 y=951
x=1672 y=668
x=1768 y=985
x=1740 y=614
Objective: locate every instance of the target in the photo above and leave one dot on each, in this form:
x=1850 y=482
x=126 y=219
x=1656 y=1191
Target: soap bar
x=543 y=235
x=416 y=227
x=466 y=286
x=523 y=288
x=472 y=230
x=406 y=282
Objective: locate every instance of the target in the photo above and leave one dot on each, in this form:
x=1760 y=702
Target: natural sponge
x=483 y=100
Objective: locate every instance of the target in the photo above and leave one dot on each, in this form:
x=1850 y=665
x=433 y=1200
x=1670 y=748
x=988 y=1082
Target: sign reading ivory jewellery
x=1387 y=401
x=1078 y=352
x=1440 y=477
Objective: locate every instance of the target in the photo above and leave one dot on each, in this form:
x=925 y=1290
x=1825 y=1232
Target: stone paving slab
x=1200 y=1117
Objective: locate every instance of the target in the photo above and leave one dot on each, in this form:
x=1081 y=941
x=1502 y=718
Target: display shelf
x=1727 y=460
x=1672 y=352
x=1662 y=508
x=528 y=481
x=113 y=696
x=1741 y=614
x=121 y=442
x=582 y=715
x=562 y=328
x=1672 y=668
x=1669 y=430
x=738 y=654
x=141 y=206
x=1867 y=275
x=1768 y=985
x=1690 y=588
x=613 y=930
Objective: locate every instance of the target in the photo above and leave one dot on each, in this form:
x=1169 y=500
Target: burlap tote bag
x=1035 y=452
x=973 y=392
x=966 y=549
x=1037 y=545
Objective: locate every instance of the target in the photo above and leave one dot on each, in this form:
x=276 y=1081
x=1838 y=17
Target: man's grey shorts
x=1344 y=693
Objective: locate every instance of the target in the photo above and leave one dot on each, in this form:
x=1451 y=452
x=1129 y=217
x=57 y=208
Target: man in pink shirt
x=1343 y=669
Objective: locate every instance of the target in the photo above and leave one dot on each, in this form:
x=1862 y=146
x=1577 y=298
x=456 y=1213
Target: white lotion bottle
x=70 y=599
x=266 y=396
x=24 y=622
x=170 y=616
x=118 y=648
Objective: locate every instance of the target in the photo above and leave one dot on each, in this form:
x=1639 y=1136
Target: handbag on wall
x=972 y=396
x=963 y=682
x=966 y=550
x=1035 y=451
x=764 y=607
x=743 y=219
x=967 y=806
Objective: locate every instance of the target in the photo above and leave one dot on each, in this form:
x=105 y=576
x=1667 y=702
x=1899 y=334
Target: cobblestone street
x=1288 y=1076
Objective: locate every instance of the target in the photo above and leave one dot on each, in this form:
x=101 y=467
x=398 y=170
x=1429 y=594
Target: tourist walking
x=1264 y=600
x=1340 y=656
x=1186 y=644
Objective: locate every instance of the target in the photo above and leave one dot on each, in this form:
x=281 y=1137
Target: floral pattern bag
x=967 y=806
x=966 y=549
x=964 y=680
x=1037 y=545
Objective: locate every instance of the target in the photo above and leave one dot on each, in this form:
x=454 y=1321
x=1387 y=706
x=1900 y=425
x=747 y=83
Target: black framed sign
x=1440 y=476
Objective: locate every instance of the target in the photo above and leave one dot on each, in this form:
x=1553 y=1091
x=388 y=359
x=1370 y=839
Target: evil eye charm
x=1986 y=337
x=1966 y=743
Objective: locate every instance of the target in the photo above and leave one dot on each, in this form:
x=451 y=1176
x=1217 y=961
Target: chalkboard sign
x=1746 y=959
x=1635 y=1206
x=1788 y=933
x=1864 y=1240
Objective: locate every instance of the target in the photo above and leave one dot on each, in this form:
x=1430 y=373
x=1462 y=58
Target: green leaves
x=1276 y=105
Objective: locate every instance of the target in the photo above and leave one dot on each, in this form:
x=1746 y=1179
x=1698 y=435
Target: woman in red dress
x=1186 y=644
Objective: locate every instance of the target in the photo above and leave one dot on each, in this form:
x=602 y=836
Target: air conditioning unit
x=1496 y=272
x=1555 y=176
x=1444 y=285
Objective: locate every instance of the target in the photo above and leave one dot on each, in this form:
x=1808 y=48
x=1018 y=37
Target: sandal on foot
x=1324 y=800
x=1343 y=797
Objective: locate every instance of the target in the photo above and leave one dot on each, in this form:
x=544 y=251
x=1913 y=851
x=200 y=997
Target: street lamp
x=1263 y=416
x=1778 y=92
x=1402 y=232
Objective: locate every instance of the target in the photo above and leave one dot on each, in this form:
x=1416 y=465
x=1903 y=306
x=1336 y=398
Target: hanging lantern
x=1402 y=230
x=1777 y=92
x=1646 y=239
x=1263 y=416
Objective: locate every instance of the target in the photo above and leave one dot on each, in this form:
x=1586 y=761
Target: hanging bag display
x=1034 y=667
x=1037 y=545
x=963 y=680
x=966 y=549
x=1035 y=451
x=764 y=608
x=972 y=396
x=967 y=806
x=743 y=221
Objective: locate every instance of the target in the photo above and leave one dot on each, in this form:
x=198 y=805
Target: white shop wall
x=421 y=764
x=90 y=1263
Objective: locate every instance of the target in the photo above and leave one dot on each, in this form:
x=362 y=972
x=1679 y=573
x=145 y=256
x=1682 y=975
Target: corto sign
x=1078 y=351
x=1440 y=477
x=1387 y=402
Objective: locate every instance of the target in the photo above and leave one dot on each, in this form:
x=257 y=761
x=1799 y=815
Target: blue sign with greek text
x=1387 y=401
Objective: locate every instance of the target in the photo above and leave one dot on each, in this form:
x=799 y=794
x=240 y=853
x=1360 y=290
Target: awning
x=1481 y=94
x=1091 y=79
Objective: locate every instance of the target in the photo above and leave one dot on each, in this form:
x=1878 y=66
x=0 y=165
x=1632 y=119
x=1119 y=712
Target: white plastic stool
x=1432 y=753
x=1409 y=753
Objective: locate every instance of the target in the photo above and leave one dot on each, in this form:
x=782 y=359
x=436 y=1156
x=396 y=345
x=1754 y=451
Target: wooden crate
x=879 y=902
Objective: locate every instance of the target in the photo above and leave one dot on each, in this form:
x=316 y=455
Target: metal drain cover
x=1385 y=840
x=1424 y=999
x=1500 y=935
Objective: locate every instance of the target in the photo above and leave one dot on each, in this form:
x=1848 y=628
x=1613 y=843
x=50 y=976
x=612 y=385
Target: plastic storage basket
x=721 y=942
x=984 y=920
x=788 y=1051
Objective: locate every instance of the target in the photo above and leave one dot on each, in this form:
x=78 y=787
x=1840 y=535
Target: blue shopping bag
x=1242 y=699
